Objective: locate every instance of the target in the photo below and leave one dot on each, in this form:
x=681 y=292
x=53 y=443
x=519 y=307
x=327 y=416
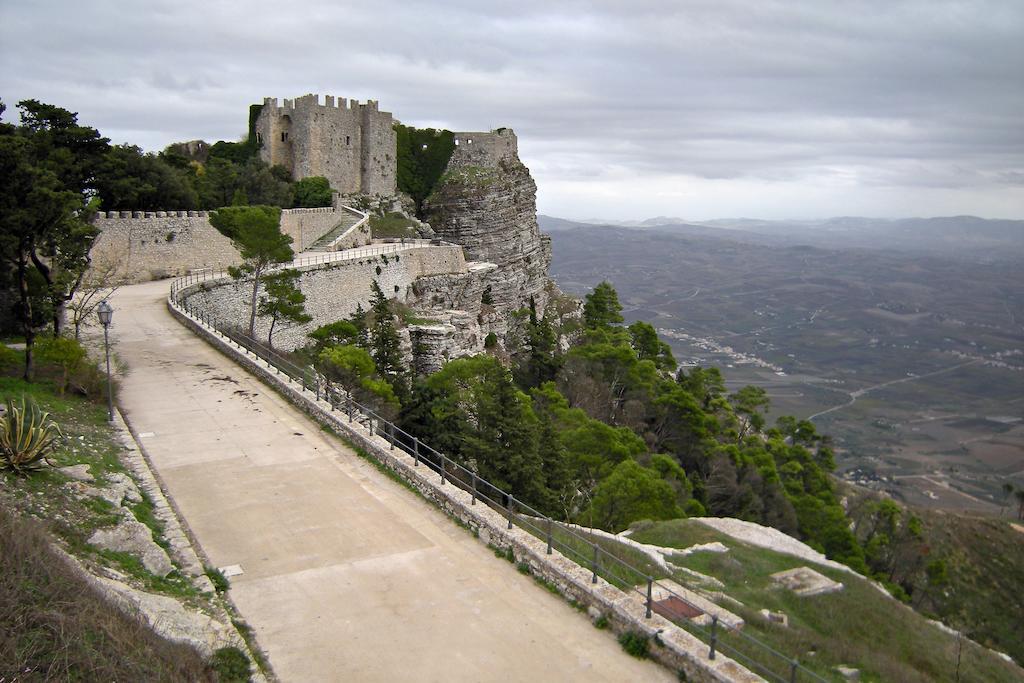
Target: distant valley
x=903 y=339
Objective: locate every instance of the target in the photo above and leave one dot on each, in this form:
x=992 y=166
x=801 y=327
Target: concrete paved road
x=347 y=576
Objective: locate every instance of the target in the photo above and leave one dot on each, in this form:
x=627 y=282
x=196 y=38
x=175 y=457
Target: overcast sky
x=624 y=109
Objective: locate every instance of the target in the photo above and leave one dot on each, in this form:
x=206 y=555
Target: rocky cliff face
x=486 y=202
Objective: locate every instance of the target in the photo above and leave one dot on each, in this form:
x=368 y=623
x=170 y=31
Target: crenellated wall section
x=156 y=244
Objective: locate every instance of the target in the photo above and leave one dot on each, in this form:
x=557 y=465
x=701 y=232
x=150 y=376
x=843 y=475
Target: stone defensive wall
x=671 y=645
x=151 y=245
x=333 y=289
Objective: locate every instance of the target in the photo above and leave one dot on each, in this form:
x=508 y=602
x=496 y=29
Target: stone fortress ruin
x=350 y=144
x=480 y=257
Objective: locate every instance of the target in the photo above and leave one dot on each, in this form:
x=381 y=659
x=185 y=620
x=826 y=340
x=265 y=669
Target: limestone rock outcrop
x=487 y=202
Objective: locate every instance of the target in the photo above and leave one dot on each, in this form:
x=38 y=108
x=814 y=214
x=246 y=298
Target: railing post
x=650 y=594
x=391 y=429
x=714 y=635
x=348 y=397
x=792 y=670
x=549 y=535
x=444 y=466
x=511 y=509
x=473 y=501
x=415 y=451
x=597 y=549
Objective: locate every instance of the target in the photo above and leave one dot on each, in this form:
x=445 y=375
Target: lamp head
x=105 y=313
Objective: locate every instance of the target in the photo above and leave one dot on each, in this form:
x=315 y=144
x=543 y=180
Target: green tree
x=423 y=155
x=384 y=343
x=601 y=307
x=260 y=184
x=283 y=302
x=541 y=360
x=751 y=402
x=334 y=334
x=312 y=191
x=48 y=167
x=256 y=233
x=472 y=411
x=356 y=371
x=130 y=180
x=645 y=341
x=632 y=492
x=217 y=183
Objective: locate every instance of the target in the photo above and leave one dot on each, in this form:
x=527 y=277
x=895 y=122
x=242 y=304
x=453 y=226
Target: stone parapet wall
x=674 y=647
x=155 y=244
x=334 y=289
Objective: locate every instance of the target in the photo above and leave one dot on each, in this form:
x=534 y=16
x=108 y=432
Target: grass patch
x=392 y=225
x=57 y=626
x=858 y=626
x=635 y=644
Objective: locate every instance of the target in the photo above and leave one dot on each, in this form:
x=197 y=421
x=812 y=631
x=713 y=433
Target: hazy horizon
x=699 y=109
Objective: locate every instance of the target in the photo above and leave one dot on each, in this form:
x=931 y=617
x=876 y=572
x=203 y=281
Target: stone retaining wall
x=333 y=290
x=678 y=649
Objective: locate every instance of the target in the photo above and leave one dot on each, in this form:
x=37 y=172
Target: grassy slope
x=858 y=626
x=52 y=624
x=55 y=626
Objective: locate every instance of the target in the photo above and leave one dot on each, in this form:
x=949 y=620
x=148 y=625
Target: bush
x=63 y=352
x=27 y=435
x=312 y=191
x=231 y=665
x=634 y=643
x=490 y=341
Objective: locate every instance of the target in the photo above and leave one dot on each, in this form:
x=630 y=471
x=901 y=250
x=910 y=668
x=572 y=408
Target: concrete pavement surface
x=347 y=575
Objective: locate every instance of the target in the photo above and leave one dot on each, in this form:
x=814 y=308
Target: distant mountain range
x=963 y=236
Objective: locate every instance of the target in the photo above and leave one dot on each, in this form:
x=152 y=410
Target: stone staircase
x=324 y=242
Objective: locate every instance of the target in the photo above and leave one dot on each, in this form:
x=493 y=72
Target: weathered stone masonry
x=333 y=290
x=155 y=244
x=351 y=144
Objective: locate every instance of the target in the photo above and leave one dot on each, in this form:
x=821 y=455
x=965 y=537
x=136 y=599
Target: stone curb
x=678 y=649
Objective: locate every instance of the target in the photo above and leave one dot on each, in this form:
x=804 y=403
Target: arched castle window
x=348 y=139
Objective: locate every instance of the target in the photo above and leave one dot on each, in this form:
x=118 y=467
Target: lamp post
x=106 y=314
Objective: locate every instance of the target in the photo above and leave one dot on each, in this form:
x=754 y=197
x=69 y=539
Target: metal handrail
x=453 y=472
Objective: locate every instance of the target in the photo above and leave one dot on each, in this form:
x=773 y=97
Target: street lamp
x=106 y=314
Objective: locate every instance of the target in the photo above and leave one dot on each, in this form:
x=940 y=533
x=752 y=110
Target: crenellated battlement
x=312 y=100
x=200 y=214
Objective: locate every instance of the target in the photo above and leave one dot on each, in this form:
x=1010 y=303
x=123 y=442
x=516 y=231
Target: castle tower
x=351 y=144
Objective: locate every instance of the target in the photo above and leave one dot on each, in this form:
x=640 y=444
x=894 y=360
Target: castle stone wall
x=351 y=144
x=333 y=290
x=156 y=244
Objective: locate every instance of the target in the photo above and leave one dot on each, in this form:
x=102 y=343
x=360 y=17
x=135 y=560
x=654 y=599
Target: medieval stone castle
x=350 y=144
x=480 y=258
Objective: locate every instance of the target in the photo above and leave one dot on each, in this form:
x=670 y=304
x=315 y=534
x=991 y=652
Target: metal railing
x=746 y=649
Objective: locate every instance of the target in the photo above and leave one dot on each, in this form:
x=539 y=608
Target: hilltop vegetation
x=606 y=432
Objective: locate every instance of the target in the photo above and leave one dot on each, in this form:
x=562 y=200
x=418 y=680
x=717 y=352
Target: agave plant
x=27 y=436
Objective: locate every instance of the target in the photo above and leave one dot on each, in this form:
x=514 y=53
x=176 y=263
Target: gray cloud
x=772 y=99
